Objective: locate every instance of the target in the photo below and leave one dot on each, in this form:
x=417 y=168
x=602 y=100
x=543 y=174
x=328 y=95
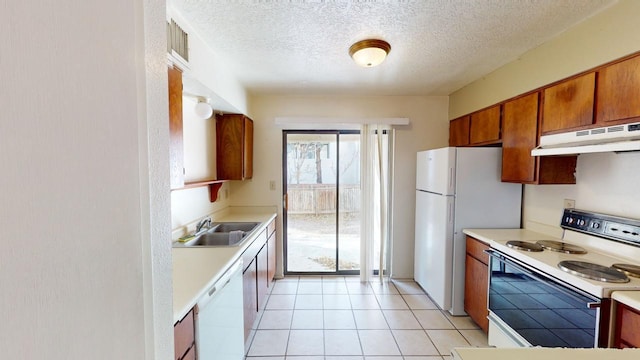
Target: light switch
x=272 y=185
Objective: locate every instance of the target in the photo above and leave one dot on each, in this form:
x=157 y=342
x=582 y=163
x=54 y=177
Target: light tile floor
x=340 y=318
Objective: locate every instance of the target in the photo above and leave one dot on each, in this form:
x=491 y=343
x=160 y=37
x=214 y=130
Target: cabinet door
x=627 y=325
x=271 y=261
x=569 y=105
x=263 y=282
x=618 y=92
x=247 y=162
x=459 y=131
x=176 y=148
x=476 y=284
x=475 y=291
x=484 y=126
x=249 y=295
x=183 y=335
x=519 y=137
x=234 y=147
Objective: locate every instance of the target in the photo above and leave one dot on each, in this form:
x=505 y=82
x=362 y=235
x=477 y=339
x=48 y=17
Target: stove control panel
x=605 y=226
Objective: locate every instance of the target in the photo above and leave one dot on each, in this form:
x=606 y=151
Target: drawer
x=251 y=252
x=271 y=228
x=183 y=335
x=475 y=248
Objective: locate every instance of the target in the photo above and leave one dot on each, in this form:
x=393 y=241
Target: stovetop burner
x=593 y=271
x=524 y=245
x=562 y=247
x=628 y=269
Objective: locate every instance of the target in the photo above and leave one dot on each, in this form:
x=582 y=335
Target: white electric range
x=540 y=297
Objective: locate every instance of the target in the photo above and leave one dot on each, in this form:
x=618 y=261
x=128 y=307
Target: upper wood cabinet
x=484 y=126
x=176 y=148
x=459 y=131
x=569 y=105
x=479 y=128
x=234 y=147
x=519 y=137
x=618 y=92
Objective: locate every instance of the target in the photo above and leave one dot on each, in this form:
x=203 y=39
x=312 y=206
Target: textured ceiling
x=437 y=46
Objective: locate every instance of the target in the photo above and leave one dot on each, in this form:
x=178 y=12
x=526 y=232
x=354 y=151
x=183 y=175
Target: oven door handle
x=545 y=279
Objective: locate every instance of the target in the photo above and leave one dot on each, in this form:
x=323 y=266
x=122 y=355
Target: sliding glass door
x=321 y=172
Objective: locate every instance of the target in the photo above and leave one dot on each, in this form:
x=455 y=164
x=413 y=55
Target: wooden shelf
x=214 y=187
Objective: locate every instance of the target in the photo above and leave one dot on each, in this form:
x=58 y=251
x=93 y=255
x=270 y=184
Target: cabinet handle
x=594 y=305
x=285 y=202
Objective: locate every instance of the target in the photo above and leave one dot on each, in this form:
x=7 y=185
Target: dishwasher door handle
x=220 y=284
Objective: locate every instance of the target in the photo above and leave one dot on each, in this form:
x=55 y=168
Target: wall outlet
x=569 y=204
x=272 y=185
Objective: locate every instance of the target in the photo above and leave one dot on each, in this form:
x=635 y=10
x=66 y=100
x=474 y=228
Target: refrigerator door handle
x=451 y=179
x=450 y=212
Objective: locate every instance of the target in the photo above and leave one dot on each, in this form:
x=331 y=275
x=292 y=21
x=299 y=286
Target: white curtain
x=376 y=155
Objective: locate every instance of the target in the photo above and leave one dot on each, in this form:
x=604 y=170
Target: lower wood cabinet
x=184 y=339
x=476 y=284
x=190 y=355
x=627 y=334
x=259 y=268
x=262 y=276
x=271 y=258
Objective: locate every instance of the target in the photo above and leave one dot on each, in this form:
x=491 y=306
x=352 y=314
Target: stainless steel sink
x=215 y=239
x=226 y=227
x=221 y=234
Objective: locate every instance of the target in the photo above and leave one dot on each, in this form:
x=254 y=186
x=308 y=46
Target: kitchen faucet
x=202 y=223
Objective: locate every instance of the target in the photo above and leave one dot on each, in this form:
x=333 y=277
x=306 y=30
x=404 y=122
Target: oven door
x=536 y=310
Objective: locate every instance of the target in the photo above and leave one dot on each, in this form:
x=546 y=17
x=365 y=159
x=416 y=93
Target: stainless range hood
x=606 y=139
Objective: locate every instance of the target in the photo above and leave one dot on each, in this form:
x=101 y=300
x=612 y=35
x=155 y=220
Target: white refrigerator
x=457 y=188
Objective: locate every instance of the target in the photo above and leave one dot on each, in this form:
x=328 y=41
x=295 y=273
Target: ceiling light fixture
x=369 y=52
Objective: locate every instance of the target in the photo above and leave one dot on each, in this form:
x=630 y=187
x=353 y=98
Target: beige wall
x=605 y=182
x=613 y=33
x=428 y=129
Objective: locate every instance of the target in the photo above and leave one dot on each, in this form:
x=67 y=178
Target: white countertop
x=196 y=269
x=629 y=298
x=544 y=354
x=491 y=235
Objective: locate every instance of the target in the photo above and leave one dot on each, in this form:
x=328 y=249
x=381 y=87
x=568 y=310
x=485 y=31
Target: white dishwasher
x=220 y=324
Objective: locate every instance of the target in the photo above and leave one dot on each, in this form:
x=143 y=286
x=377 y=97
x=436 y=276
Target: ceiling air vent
x=177 y=40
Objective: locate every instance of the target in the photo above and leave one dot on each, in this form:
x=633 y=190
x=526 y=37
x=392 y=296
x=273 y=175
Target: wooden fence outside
x=321 y=198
